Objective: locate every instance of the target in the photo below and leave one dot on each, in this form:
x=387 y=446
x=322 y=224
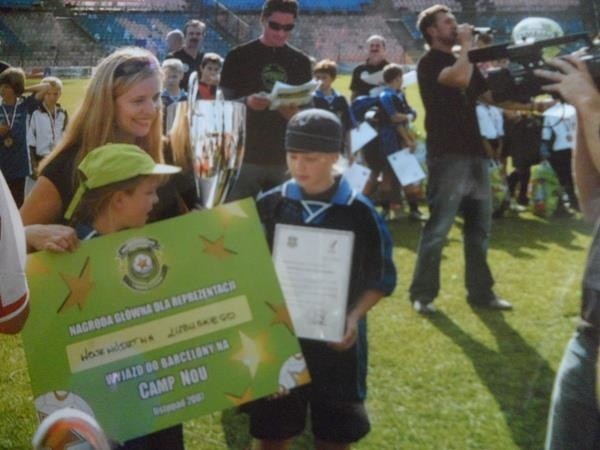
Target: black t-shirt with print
x=450 y=117
x=357 y=85
x=252 y=68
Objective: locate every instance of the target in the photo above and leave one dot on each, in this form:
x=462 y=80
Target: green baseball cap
x=112 y=163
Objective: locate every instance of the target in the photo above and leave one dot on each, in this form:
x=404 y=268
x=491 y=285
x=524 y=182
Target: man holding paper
x=332 y=254
x=250 y=72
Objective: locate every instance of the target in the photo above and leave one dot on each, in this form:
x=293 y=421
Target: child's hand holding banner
x=171 y=321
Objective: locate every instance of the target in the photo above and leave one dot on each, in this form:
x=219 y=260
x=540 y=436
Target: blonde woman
x=121 y=105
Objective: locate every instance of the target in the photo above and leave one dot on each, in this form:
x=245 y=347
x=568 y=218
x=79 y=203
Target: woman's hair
x=95 y=201
x=93 y=123
x=179 y=138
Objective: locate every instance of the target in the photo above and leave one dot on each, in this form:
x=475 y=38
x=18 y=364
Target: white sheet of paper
x=313 y=267
x=357 y=176
x=361 y=135
x=288 y=94
x=409 y=78
x=406 y=167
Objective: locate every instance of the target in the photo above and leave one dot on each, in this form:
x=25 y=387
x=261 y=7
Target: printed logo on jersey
x=141 y=264
x=272 y=73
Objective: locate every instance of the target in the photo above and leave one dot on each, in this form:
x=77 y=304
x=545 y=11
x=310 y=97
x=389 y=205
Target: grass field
x=462 y=379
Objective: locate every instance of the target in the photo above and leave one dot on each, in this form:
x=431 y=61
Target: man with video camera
x=459 y=180
x=574 y=420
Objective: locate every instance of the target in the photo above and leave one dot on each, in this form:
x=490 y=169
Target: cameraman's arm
x=585 y=166
x=575 y=85
x=459 y=74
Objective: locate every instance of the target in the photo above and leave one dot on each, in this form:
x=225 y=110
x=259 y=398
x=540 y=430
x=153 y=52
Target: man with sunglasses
x=190 y=54
x=249 y=72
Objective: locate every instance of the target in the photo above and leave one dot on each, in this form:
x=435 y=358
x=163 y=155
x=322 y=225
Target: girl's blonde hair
x=93 y=123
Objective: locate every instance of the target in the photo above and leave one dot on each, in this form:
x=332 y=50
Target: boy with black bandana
x=314 y=197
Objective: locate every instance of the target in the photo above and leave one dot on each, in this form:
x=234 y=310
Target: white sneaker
x=516 y=207
x=423 y=308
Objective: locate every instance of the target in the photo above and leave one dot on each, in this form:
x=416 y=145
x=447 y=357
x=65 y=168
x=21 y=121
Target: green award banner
x=149 y=327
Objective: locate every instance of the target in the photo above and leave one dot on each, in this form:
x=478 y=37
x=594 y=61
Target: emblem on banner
x=141 y=264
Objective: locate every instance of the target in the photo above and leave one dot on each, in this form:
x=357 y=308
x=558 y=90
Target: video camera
x=516 y=81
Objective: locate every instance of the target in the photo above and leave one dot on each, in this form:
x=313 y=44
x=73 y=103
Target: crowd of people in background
x=137 y=105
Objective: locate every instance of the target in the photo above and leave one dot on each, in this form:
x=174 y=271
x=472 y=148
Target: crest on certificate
x=141 y=264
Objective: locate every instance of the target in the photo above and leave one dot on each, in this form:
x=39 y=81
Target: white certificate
x=361 y=135
x=406 y=167
x=288 y=94
x=357 y=176
x=313 y=267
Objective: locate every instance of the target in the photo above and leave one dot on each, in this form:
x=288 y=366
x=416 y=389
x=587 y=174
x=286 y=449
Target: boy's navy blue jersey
x=391 y=102
x=337 y=104
x=338 y=375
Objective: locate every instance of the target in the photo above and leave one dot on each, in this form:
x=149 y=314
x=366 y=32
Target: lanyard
x=10 y=122
x=52 y=121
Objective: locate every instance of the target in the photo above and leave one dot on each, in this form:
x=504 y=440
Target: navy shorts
x=285 y=417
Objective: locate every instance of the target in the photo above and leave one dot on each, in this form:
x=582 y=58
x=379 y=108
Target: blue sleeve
x=386 y=100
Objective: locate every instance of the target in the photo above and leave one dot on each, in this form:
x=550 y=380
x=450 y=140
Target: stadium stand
x=340 y=37
x=144 y=29
x=9 y=40
x=128 y=5
x=419 y=5
x=24 y=4
x=307 y=6
x=78 y=32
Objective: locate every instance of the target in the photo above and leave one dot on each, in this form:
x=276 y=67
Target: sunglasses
x=278 y=27
x=133 y=66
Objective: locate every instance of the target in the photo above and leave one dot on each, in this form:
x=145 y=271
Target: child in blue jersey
x=314 y=197
x=117 y=190
x=325 y=97
x=394 y=116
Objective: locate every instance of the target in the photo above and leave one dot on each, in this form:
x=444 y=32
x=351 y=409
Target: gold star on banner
x=230 y=211
x=217 y=248
x=35 y=266
x=253 y=352
x=79 y=287
x=282 y=316
x=240 y=400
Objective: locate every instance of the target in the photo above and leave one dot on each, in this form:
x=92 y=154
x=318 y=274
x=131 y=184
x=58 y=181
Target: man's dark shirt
x=450 y=117
x=252 y=68
x=358 y=86
x=189 y=64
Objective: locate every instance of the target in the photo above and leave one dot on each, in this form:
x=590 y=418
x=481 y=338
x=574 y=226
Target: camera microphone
x=483 y=30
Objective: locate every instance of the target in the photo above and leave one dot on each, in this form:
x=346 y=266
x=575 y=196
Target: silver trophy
x=217 y=138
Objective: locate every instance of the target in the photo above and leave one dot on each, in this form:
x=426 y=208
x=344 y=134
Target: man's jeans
x=574 y=419
x=457 y=184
